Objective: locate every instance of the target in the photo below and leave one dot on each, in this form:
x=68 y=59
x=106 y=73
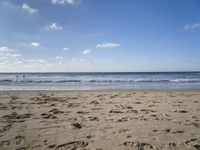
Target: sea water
x=99 y=80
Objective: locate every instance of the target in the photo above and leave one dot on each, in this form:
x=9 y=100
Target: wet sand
x=107 y=120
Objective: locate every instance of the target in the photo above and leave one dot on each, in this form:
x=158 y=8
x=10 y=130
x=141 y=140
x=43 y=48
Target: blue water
x=94 y=81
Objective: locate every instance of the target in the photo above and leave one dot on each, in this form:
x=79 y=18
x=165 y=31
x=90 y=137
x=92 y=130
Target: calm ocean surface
x=94 y=81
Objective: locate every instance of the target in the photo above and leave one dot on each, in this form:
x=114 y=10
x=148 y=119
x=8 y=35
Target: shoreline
x=103 y=90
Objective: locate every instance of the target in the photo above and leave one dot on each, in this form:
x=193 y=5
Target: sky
x=99 y=35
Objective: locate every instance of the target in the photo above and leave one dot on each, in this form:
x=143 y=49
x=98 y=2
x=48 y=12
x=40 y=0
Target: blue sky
x=99 y=35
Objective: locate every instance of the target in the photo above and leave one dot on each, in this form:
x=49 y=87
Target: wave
x=185 y=80
x=6 y=80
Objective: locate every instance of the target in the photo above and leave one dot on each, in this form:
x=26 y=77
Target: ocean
x=99 y=80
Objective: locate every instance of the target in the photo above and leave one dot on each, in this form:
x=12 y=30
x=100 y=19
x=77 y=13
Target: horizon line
x=105 y=72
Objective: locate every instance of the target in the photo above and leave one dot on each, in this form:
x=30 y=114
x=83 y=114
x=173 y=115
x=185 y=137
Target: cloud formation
x=5 y=49
x=37 y=61
x=59 y=57
x=87 y=52
x=66 y=49
x=107 y=45
x=9 y=57
x=28 y=9
x=14 y=55
x=78 y=62
x=35 y=44
x=191 y=27
x=54 y=26
x=63 y=2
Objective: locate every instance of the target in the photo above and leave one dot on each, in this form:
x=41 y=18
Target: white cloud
x=87 y=52
x=37 y=60
x=28 y=9
x=61 y=62
x=108 y=45
x=6 y=49
x=9 y=57
x=35 y=44
x=63 y=2
x=59 y=57
x=54 y=26
x=14 y=55
x=79 y=61
x=190 y=27
x=66 y=49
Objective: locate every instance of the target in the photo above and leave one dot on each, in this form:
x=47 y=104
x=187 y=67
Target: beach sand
x=107 y=120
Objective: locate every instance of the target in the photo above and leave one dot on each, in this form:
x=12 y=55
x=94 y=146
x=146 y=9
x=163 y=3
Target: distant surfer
x=17 y=77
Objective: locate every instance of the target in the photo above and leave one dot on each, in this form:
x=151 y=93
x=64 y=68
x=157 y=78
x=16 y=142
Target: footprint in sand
x=123 y=130
x=147 y=111
x=124 y=119
x=193 y=142
x=195 y=124
x=76 y=125
x=56 y=111
x=94 y=102
x=138 y=103
x=82 y=112
x=178 y=131
x=72 y=145
x=13 y=97
x=52 y=146
x=152 y=106
x=3 y=107
x=167 y=130
x=14 y=115
x=4 y=142
x=94 y=118
x=19 y=140
x=132 y=111
x=139 y=146
x=5 y=128
x=197 y=146
x=22 y=148
x=115 y=111
x=172 y=145
x=48 y=116
x=113 y=96
x=181 y=111
x=155 y=130
x=190 y=141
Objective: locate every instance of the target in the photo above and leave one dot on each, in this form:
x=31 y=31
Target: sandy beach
x=100 y=120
